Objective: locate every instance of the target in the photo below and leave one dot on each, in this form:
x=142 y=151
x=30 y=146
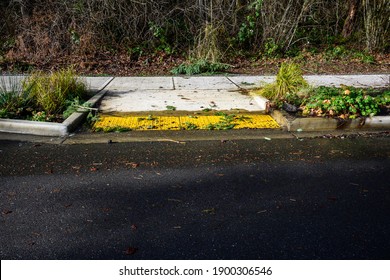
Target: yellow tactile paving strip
x=151 y=122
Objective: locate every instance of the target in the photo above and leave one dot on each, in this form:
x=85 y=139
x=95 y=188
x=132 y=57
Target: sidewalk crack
x=173 y=83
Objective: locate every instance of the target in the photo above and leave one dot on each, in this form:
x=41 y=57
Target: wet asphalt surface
x=243 y=199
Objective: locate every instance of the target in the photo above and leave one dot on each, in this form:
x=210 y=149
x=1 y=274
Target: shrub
x=50 y=92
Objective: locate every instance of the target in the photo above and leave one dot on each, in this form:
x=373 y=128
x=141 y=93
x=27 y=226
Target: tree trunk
x=351 y=18
x=377 y=24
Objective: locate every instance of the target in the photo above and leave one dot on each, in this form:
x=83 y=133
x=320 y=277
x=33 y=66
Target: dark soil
x=162 y=64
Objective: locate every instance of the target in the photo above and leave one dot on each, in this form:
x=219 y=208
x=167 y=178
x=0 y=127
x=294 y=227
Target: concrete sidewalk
x=94 y=84
x=152 y=94
x=196 y=93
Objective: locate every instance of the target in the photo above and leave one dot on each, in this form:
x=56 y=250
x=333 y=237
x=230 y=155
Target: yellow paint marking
x=237 y=121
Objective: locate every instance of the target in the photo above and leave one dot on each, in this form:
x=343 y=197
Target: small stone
x=289 y=108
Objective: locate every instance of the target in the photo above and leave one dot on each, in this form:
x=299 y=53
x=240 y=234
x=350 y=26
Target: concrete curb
x=52 y=129
x=327 y=124
x=46 y=128
x=33 y=127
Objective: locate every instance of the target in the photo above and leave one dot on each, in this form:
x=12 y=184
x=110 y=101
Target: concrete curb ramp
x=224 y=122
x=221 y=93
x=195 y=93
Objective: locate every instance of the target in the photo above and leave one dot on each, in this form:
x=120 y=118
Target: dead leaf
x=56 y=190
x=11 y=194
x=219 y=174
x=93 y=169
x=130 y=251
x=172 y=140
x=133 y=164
x=174 y=200
x=6 y=212
x=209 y=211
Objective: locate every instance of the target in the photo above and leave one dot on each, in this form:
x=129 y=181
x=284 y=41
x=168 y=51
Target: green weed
x=364 y=57
x=170 y=108
x=201 y=66
x=190 y=126
x=75 y=105
x=160 y=34
x=14 y=99
x=41 y=116
x=226 y=122
x=271 y=49
x=113 y=129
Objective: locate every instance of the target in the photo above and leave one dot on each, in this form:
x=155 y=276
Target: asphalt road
x=243 y=199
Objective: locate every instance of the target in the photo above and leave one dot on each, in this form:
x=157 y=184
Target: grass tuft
x=13 y=97
x=289 y=80
x=52 y=91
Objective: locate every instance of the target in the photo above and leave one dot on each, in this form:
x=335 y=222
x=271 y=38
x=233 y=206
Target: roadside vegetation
x=189 y=37
x=42 y=96
x=293 y=94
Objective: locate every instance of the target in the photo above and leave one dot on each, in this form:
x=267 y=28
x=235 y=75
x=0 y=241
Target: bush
x=50 y=92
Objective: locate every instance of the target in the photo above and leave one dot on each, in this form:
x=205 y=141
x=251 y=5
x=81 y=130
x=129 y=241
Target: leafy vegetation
x=95 y=32
x=41 y=96
x=75 y=105
x=346 y=103
x=226 y=122
x=292 y=93
x=14 y=101
x=170 y=108
x=200 y=66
